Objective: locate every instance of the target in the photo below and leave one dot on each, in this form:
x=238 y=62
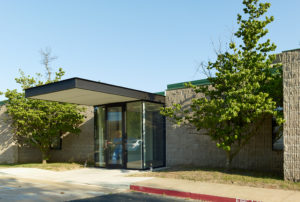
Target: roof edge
x=78 y=78
x=180 y=85
x=296 y=49
x=90 y=85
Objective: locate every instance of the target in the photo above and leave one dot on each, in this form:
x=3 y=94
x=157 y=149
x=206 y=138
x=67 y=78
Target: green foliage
x=39 y=122
x=246 y=88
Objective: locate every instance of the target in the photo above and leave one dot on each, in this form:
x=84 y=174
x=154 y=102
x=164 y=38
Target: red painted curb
x=185 y=194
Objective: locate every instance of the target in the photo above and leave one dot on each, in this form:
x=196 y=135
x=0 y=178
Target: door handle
x=105 y=144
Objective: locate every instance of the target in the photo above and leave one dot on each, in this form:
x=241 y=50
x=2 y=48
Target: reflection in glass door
x=114 y=137
x=134 y=128
x=100 y=137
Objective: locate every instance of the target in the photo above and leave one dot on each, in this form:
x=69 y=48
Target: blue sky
x=143 y=45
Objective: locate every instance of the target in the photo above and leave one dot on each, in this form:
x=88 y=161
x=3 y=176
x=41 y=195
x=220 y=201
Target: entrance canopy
x=86 y=92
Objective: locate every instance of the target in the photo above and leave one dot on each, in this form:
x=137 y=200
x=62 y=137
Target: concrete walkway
x=85 y=176
x=212 y=191
x=118 y=179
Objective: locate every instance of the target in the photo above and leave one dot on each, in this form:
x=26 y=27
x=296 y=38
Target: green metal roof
x=160 y=93
x=182 y=84
x=198 y=82
x=2 y=102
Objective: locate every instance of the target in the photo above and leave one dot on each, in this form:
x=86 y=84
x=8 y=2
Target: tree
x=240 y=95
x=46 y=60
x=37 y=122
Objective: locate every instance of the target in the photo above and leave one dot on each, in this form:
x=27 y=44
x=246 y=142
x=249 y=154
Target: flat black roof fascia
x=93 y=86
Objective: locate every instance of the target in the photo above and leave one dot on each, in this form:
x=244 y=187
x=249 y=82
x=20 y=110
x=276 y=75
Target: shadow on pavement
x=12 y=189
x=130 y=196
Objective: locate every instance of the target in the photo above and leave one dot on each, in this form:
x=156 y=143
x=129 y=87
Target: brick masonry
x=78 y=148
x=8 y=146
x=75 y=148
x=291 y=107
x=186 y=146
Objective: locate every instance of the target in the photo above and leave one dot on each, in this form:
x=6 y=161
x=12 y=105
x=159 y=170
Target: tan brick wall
x=29 y=154
x=8 y=148
x=78 y=148
x=291 y=108
x=75 y=148
x=186 y=146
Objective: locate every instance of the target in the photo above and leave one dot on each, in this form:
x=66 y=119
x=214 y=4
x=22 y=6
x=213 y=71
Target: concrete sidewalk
x=116 y=178
x=212 y=191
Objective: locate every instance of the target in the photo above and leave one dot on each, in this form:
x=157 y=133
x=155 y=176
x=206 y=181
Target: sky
x=143 y=45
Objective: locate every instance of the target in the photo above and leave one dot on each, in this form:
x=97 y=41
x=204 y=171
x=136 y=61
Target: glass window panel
x=134 y=134
x=154 y=137
x=99 y=136
x=56 y=143
x=277 y=136
x=114 y=135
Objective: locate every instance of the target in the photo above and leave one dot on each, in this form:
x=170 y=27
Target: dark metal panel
x=124 y=137
x=117 y=90
x=165 y=140
x=143 y=134
x=50 y=88
x=95 y=135
x=93 y=86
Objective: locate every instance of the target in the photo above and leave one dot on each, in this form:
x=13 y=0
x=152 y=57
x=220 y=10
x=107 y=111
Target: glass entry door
x=114 y=137
x=130 y=135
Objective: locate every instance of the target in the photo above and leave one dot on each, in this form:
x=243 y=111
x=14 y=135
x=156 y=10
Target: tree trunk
x=45 y=156
x=228 y=160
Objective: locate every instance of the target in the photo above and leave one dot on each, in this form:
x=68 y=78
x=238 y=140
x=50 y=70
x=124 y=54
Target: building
x=125 y=130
